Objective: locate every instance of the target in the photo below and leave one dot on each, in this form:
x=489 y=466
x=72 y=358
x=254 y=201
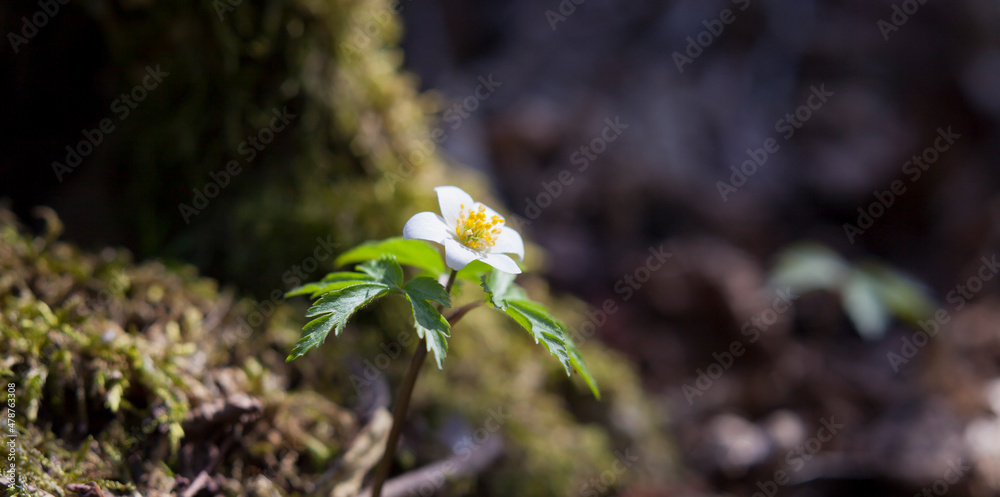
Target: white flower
x=468 y=230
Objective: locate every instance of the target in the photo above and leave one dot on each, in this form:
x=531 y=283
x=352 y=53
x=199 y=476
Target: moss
x=113 y=362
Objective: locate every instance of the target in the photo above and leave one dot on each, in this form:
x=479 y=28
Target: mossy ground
x=140 y=377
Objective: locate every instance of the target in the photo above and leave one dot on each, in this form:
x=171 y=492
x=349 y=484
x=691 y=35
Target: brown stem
x=403 y=405
x=461 y=311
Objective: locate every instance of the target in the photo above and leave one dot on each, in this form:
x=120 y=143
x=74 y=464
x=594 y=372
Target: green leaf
x=500 y=288
x=416 y=253
x=428 y=289
x=384 y=270
x=429 y=323
x=474 y=271
x=329 y=283
x=807 y=267
x=870 y=292
x=334 y=309
x=536 y=319
x=863 y=304
x=903 y=295
x=580 y=367
x=346 y=292
x=505 y=295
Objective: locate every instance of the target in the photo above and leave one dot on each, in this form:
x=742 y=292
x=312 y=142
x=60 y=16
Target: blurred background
x=771 y=225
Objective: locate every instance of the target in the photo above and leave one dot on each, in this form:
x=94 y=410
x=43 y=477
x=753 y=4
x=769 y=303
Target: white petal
x=426 y=226
x=451 y=199
x=457 y=255
x=503 y=263
x=509 y=242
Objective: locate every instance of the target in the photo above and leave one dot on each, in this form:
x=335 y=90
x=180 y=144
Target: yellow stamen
x=475 y=231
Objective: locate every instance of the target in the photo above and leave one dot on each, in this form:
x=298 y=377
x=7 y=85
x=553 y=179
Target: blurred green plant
x=870 y=291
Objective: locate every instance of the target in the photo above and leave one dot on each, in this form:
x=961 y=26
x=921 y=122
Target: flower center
x=475 y=231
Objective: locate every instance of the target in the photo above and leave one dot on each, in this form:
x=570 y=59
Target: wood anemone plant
x=476 y=241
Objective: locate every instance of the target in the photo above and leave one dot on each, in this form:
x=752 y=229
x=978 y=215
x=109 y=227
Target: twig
x=364 y=452
x=461 y=311
x=197 y=485
x=85 y=489
x=436 y=474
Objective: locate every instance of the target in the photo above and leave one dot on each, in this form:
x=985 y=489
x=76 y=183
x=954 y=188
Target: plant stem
x=461 y=311
x=403 y=405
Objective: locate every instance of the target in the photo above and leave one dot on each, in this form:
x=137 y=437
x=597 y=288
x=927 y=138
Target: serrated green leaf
x=546 y=329
x=336 y=300
x=506 y=296
x=329 y=283
x=428 y=289
x=416 y=253
x=499 y=287
x=334 y=309
x=552 y=333
x=580 y=367
x=385 y=270
x=429 y=323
